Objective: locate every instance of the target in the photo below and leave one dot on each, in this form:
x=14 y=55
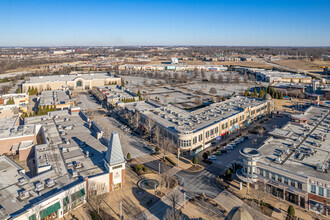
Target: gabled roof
x=114 y=153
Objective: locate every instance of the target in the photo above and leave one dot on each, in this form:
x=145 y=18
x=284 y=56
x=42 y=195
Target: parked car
x=213 y=157
x=223 y=151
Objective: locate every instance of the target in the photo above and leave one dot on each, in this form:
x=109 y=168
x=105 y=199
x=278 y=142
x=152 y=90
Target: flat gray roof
x=54 y=97
x=178 y=119
x=70 y=77
x=303 y=150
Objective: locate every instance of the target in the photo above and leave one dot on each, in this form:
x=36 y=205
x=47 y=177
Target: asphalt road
x=199 y=182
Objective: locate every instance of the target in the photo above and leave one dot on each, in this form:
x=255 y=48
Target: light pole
x=121 y=211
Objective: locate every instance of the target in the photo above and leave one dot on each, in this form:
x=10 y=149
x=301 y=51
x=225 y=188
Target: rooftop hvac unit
x=39 y=186
x=320 y=167
x=21 y=180
x=78 y=164
x=74 y=173
x=278 y=160
x=24 y=194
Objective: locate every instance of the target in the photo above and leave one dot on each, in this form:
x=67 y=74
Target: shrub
x=195 y=160
x=205 y=155
x=291 y=211
x=144 y=168
x=128 y=156
x=170 y=161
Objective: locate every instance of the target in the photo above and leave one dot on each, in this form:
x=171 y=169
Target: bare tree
x=134 y=120
x=212 y=77
x=148 y=126
x=220 y=78
x=230 y=77
x=196 y=73
x=245 y=77
x=156 y=134
x=198 y=101
x=96 y=194
x=172 y=214
x=237 y=78
x=165 y=146
x=203 y=74
x=213 y=91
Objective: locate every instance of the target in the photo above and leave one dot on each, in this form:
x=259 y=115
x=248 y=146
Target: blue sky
x=160 y=22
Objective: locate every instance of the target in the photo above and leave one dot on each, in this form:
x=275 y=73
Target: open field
x=312 y=66
x=243 y=63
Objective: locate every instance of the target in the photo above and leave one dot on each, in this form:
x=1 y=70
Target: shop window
x=299 y=185
x=273 y=176
x=313 y=189
x=316 y=206
x=321 y=191
x=286 y=180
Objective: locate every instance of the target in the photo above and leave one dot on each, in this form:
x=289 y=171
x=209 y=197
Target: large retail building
x=73 y=81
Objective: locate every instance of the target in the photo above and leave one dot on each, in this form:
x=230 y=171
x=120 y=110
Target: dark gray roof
x=114 y=153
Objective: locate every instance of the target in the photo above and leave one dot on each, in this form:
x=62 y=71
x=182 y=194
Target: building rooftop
x=54 y=97
x=305 y=150
x=68 y=153
x=70 y=77
x=181 y=120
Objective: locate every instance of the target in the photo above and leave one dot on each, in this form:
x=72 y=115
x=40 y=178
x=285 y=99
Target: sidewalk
x=230 y=201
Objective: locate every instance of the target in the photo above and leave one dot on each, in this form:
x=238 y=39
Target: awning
x=78 y=194
x=65 y=201
x=32 y=217
x=50 y=210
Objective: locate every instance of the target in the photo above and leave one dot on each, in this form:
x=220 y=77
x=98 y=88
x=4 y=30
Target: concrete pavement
x=230 y=201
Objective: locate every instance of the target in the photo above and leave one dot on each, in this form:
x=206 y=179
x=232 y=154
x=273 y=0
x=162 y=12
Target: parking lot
x=226 y=160
x=130 y=142
x=87 y=102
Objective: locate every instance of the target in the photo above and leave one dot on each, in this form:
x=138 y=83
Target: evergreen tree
x=291 y=211
x=19 y=90
x=195 y=160
x=11 y=101
x=255 y=94
x=281 y=95
x=139 y=95
x=246 y=93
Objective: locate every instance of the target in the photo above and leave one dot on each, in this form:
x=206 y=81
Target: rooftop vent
x=320 y=167
x=39 y=186
x=50 y=183
x=24 y=194
x=74 y=173
x=22 y=181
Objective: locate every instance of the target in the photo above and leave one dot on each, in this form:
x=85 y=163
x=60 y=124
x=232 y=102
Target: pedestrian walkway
x=158 y=210
x=172 y=171
x=145 y=159
x=229 y=201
